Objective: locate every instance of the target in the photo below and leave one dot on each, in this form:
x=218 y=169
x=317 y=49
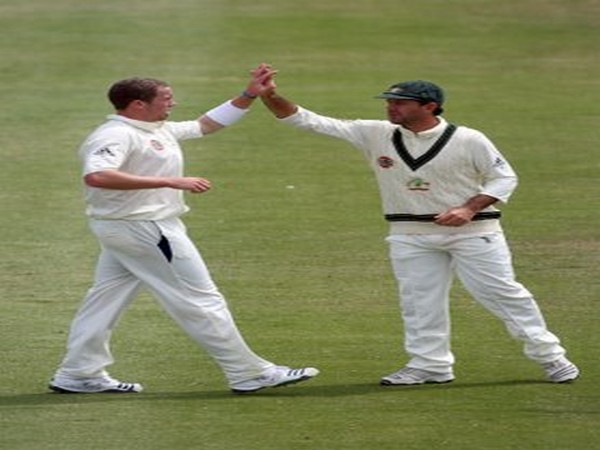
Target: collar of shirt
x=147 y=126
x=427 y=134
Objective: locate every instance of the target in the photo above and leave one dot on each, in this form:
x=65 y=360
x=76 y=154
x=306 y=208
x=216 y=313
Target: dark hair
x=123 y=92
x=437 y=111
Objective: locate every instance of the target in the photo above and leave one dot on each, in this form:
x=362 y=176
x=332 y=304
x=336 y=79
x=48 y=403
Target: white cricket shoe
x=275 y=377
x=105 y=384
x=561 y=371
x=410 y=375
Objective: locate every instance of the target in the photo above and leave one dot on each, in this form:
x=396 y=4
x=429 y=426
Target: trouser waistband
x=484 y=215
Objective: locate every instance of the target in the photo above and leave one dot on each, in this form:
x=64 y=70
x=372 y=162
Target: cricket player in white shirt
x=134 y=180
x=439 y=184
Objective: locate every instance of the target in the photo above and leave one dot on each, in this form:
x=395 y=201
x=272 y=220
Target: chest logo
x=157 y=145
x=417 y=184
x=385 y=162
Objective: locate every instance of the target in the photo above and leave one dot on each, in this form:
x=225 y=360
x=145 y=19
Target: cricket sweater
x=416 y=180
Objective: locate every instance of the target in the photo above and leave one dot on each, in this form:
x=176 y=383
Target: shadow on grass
x=304 y=391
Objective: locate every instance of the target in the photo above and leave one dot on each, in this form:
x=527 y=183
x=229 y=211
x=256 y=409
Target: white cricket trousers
x=424 y=266
x=159 y=256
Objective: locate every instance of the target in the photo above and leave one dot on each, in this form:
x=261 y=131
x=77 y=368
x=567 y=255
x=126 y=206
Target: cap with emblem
x=415 y=90
x=420 y=90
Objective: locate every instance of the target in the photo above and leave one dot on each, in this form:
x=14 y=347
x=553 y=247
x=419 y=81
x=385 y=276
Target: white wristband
x=226 y=114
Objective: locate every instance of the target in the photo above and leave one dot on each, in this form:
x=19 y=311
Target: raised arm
x=233 y=110
x=279 y=106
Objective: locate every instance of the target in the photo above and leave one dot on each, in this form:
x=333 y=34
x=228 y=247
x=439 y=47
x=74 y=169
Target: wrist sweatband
x=226 y=114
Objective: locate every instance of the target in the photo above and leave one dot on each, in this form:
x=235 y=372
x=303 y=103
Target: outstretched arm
x=233 y=110
x=278 y=105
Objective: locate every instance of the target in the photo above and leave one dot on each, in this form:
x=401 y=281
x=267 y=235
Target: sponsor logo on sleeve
x=499 y=162
x=104 y=151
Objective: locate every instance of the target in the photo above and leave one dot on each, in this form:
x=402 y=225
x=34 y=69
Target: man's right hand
x=191 y=184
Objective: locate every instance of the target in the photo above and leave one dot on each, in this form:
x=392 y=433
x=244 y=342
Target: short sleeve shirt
x=139 y=148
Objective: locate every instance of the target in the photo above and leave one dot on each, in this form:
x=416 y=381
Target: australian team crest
x=385 y=162
x=417 y=184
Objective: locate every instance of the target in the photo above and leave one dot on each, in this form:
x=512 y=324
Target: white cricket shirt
x=139 y=148
x=469 y=164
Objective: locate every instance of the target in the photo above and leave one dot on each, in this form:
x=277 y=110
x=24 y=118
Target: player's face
x=408 y=113
x=160 y=107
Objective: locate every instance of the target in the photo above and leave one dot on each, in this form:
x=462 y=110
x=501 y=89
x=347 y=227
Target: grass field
x=305 y=269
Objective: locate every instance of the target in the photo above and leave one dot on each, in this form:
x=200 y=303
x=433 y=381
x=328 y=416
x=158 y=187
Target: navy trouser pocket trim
x=165 y=248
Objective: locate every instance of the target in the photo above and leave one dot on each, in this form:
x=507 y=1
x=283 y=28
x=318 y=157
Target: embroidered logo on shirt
x=499 y=162
x=103 y=151
x=418 y=184
x=157 y=145
x=385 y=162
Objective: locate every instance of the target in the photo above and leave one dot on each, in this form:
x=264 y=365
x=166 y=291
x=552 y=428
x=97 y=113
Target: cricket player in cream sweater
x=439 y=183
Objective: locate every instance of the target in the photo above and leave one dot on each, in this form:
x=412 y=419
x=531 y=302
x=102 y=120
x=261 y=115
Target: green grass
x=305 y=269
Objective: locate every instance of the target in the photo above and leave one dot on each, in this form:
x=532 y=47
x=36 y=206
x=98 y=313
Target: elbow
x=94 y=179
x=208 y=125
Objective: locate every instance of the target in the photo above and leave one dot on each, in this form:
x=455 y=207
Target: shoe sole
x=285 y=383
x=389 y=383
x=566 y=381
x=61 y=390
